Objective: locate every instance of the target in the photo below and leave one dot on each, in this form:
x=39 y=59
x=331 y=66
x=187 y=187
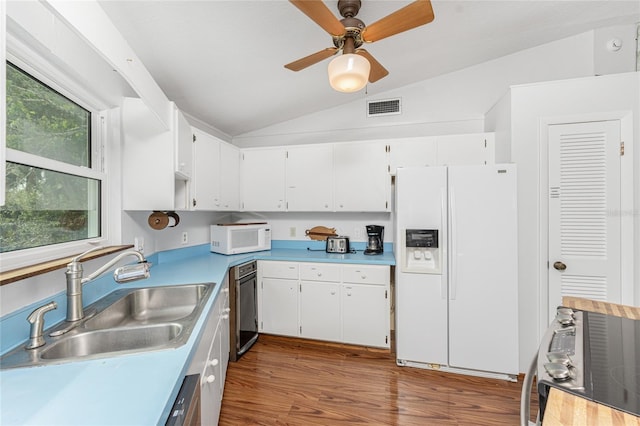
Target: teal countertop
x=134 y=389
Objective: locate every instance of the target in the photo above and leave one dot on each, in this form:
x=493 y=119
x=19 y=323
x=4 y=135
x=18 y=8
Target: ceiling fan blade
x=321 y=15
x=413 y=15
x=311 y=59
x=377 y=70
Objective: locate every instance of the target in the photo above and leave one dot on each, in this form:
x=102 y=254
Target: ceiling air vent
x=386 y=107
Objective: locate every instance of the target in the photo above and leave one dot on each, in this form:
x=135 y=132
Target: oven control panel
x=561 y=358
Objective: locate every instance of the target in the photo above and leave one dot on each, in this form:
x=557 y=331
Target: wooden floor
x=283 y=381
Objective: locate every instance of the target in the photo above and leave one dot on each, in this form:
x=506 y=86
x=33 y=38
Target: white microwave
x=235 y=238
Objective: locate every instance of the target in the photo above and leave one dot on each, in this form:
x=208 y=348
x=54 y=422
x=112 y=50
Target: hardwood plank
x=285 y=381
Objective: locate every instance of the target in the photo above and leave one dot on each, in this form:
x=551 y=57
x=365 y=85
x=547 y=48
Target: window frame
x=46 y=72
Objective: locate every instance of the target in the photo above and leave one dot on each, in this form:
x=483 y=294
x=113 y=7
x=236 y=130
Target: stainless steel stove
x=593 y=356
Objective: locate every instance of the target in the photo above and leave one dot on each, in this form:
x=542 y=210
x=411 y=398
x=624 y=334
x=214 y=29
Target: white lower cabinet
x=212 y=357
x=210 y=380
x=279 y=306
x=325 y=301
x=365 y=314
x=320 y=310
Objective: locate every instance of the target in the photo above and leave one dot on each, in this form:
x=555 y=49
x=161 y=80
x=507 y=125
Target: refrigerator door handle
x=443 y=218
x=453 y=264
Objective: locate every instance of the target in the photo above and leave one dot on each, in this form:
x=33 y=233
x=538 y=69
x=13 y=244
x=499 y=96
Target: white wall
x=351 y=225
x=448 y=104
x=195 y=224
x=521 y=114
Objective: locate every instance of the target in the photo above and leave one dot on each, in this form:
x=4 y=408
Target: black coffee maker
x=375 y=239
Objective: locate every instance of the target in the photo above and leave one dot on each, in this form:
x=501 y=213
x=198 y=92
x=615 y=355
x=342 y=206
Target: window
x=53 y=192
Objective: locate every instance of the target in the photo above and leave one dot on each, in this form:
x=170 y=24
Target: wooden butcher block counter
x=565 y=409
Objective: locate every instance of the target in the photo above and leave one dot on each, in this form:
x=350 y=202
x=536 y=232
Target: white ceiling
x=222 y=61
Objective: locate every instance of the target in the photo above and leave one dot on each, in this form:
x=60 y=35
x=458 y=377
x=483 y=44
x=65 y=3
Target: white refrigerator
x=456 y=269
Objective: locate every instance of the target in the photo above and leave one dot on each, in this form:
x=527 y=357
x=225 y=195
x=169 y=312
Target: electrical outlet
x=185 y=238
x=358 y=233
x=138 y=244
x=292 y=231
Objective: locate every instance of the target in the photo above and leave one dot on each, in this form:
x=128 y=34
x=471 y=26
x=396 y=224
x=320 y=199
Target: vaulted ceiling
x=222 y=62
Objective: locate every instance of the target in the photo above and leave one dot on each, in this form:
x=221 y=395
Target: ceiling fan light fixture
x=349 y=72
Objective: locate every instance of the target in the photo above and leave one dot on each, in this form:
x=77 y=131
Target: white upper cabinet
x=447 y=150
x=148 y=161
x=361 y=181
x=412 y=152
x=206 y=182
x=216 y=181
x=309 y=178
x=183 y=142
x=263 y=179
x=229 y=177
x=469 y=149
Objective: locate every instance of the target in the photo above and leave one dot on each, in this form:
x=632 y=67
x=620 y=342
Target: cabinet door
x=320 y=310
x=278 y=269
x=412 y=152
x=229 y=177
x=469 y=149
x=278 y=301
x=263 y=173
x=365 y=315
x=211 y=386
x=184 y=140
x=146 y=184
x=326 y=272
x=361 y=180
x=309 y=175
x=206 y=153
x=223 y=329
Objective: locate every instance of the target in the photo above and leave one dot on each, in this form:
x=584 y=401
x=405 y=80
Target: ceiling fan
x=350 y=33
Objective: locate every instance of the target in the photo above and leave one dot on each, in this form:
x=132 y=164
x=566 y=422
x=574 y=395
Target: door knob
x=559 y=266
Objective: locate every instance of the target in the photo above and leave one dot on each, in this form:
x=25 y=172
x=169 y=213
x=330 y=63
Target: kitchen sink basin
x=112 y=340
x=123 y=322
x=149 y=306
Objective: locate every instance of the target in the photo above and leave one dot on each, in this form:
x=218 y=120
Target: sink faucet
x=75 y=311
x=36 y=319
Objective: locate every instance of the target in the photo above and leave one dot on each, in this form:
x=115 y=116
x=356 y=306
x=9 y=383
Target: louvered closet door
x=584 y=211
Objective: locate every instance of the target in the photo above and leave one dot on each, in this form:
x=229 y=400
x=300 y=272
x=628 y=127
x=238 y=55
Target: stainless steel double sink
x=123 y=322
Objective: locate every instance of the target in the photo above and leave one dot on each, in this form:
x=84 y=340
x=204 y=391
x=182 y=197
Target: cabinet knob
x=364 y=277
x=225 y=290
x=213 y=363
x=210 y=379
x=227 y=310
x=225 y=316
x=319 y=274
x=333 y=293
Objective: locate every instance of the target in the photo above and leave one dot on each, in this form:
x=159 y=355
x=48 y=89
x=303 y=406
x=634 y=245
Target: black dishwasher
x=243 y=315
x=186 y=408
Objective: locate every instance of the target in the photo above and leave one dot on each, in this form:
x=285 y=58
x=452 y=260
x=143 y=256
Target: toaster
x=337 y=244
